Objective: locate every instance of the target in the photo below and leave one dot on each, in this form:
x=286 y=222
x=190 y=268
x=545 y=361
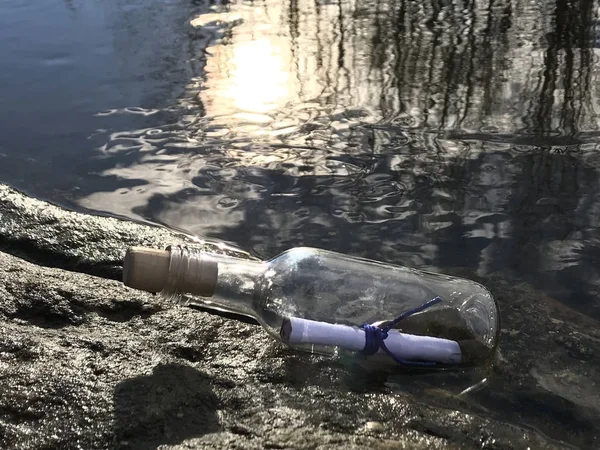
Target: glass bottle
x=326 y=302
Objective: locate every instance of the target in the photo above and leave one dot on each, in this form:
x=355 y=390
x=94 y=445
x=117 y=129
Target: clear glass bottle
x=317 y=300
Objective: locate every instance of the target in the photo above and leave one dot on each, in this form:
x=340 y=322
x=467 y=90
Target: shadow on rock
x=175 y=403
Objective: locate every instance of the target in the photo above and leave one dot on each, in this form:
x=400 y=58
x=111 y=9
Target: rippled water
x=428 y=133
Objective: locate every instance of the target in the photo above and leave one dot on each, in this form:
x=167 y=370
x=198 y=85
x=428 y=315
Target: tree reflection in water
x=434 y=134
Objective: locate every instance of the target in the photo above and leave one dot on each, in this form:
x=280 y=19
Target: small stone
x=373 y=426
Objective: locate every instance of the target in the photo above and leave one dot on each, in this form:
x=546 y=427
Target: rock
x=86 y=362
x=48 y=235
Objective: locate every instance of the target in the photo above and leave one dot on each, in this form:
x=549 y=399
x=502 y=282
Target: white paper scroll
x=402 y=345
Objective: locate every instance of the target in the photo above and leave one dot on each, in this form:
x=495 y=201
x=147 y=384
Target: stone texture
x=87 y=363
x=56 y=237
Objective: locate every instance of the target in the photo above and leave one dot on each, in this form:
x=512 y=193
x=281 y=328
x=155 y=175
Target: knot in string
x=375 y=336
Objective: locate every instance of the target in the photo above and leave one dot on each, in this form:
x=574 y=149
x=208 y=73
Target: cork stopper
x=148 y=269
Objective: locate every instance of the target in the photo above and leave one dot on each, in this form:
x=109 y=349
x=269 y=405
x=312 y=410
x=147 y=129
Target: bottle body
x=331 y=288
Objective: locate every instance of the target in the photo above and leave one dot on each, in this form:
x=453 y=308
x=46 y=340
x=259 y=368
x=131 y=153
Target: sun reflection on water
x=259 y=81
x=248 y=73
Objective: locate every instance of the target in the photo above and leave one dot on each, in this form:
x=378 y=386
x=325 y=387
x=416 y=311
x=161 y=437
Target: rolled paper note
x=403 y=346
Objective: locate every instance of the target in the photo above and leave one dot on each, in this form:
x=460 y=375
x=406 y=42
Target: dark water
x=431 y=133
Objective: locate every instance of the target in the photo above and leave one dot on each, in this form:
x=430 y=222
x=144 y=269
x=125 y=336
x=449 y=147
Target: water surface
x=427 y=133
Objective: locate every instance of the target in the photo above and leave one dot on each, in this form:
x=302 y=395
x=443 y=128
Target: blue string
x=375 y=336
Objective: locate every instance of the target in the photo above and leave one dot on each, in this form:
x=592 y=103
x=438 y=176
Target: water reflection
x=564 y=84
x=497 y=66
x=430 y=134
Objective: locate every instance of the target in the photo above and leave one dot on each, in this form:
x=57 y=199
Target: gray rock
x=87 y=363
x=48 y=235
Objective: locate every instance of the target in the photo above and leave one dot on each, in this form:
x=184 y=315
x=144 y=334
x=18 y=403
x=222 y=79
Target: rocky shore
x=87 y=363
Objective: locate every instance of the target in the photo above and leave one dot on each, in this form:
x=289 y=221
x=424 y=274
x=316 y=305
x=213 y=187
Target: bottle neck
x=214 y=281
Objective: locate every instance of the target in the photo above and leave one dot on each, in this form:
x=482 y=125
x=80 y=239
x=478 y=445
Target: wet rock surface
x=87 y=363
